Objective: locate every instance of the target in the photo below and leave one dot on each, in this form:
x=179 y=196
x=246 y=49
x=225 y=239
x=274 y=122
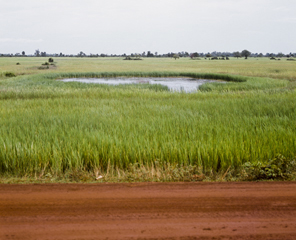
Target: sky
x=135 y=26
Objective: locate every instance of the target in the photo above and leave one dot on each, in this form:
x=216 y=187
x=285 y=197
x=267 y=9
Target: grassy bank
x=51 y=128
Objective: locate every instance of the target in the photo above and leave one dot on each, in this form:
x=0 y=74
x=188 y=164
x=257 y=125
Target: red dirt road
x=149 y=211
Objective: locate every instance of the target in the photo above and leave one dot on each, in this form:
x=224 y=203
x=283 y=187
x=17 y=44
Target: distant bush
x=50 y=60
x=290 y=59
x=45 y=64
x=18 y=63
x=130 y=58
x=9 y=74
x=44 y=67
x=272 y=58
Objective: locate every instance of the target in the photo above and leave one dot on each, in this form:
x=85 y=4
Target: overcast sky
x=134 y=26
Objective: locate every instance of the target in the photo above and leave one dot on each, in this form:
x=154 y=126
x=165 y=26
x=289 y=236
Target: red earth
x=264 y=210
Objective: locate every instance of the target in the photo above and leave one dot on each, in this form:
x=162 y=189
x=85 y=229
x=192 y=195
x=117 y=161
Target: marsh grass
x=55 y=131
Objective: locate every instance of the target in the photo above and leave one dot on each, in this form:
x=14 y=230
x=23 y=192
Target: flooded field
x=174 y=84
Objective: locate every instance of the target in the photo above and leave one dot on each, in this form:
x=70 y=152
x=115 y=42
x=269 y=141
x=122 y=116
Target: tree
x=149 y=54
x=237 y=54
x=208 y=55
x=194 y=55
x=176 y=56
x=81 y=54
x=37 y=53
x=246 y=54
x=23 y=53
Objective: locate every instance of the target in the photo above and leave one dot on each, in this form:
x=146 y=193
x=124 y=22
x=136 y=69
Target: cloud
x=20 y=40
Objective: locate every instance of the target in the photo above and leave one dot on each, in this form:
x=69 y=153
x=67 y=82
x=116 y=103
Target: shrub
x=50 y=60
x=18 y=63
x=9 y=74
x=130 y=58
x=43 y=67
x=277 y=168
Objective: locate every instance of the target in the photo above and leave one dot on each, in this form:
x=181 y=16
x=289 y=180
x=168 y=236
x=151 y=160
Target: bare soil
x=265 y=210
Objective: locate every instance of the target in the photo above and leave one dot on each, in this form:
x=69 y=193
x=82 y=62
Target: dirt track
x=149 y=211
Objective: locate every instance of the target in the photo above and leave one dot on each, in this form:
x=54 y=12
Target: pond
x=174 y=84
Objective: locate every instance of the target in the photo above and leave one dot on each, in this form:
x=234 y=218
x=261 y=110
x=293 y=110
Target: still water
x=174 y=84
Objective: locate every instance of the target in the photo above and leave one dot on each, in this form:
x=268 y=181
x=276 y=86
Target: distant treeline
x=237 y=54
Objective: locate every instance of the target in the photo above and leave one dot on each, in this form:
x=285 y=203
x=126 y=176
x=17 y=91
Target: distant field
x=74 y=131
x=259 y=67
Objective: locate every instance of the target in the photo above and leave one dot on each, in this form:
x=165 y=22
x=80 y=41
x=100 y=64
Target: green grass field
x=74 y=131
x=260 y=67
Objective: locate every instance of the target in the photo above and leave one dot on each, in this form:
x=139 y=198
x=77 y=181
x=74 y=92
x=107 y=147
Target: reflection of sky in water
x=174 y=84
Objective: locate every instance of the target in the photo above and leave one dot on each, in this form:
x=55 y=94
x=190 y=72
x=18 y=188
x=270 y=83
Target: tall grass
x=46 y=86
x=49 y=125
